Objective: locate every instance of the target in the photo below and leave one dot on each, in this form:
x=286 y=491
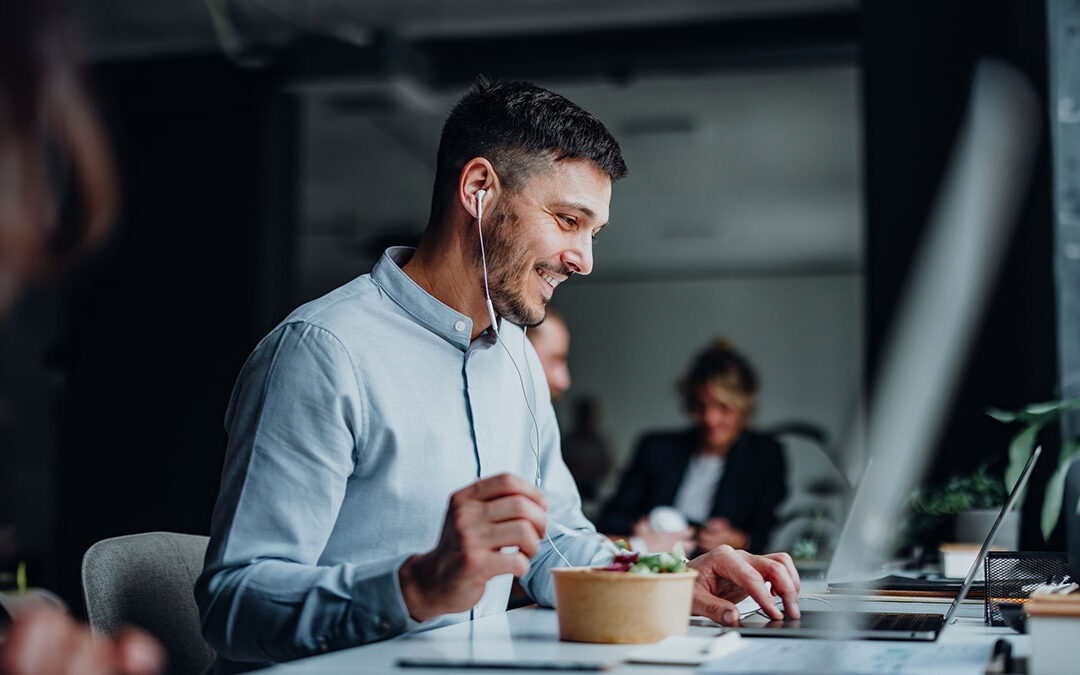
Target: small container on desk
x=1054 y=624
x=957 y=559
x=594 y=605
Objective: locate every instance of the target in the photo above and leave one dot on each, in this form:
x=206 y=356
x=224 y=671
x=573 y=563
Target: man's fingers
x=518 y=533
x=776 y=573
x=790 y=565
x=752 y=581
x=503 y=485
x=506 y=563
x=719 y=610
x=516 y=507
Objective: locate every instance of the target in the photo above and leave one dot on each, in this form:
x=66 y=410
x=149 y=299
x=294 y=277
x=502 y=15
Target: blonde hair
x=723 y=372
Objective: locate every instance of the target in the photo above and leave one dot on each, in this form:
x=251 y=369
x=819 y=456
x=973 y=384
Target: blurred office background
x=783 y=156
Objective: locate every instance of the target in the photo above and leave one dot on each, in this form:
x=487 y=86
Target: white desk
x=532 y=633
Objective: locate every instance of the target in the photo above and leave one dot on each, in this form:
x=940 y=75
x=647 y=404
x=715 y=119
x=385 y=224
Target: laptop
x=951 y=280
x=891 y=625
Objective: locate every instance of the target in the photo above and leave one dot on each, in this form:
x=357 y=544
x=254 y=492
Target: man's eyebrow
x=576 y=206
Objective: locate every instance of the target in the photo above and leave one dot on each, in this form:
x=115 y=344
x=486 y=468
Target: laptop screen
x=1009 y=504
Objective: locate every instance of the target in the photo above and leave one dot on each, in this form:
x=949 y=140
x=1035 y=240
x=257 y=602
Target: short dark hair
x=719 y=364
x=519 y=128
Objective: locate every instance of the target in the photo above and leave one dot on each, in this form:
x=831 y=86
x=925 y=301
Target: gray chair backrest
x=148 y=580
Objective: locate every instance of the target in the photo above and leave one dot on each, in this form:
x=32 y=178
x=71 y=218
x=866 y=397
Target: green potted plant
x=1033 y=418
x=972 y=500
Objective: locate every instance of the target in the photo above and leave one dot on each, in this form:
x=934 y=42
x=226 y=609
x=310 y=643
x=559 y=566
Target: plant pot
x=973 y=526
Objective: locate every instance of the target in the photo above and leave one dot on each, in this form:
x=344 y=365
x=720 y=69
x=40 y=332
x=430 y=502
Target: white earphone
x=483 y=258
x=491 y=312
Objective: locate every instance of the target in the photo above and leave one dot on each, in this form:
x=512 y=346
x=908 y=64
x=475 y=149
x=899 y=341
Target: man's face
x=536 y=237
x=719 y=420
x=552 y=342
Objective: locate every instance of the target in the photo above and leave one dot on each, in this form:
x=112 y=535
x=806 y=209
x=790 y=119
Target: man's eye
x=569 y=220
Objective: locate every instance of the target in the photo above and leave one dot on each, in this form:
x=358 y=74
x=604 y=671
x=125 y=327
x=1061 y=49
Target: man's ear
x=477 y=174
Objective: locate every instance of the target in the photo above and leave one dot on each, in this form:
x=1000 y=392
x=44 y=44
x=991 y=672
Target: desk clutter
x=731 y=654
x=1012 y=576
x=852 y=657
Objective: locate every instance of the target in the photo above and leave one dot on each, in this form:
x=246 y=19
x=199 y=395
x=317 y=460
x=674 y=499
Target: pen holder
x=1012 y=575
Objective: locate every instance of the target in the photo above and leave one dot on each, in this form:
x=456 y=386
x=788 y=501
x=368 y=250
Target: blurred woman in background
x=725 y=480
x=57 y=196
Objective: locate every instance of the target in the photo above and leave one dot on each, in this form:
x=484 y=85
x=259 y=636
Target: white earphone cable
x=521 y=380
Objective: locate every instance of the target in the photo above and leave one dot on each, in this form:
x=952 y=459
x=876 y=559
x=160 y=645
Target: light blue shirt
x=350 y=426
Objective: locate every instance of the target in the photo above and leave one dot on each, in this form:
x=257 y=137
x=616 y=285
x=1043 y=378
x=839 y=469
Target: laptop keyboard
x=904 y=622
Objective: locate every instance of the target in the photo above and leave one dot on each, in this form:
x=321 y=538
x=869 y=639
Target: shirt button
x=459 y=326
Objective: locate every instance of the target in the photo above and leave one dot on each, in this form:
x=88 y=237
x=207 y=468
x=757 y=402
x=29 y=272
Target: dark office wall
x=918 y=59
x=162 y=320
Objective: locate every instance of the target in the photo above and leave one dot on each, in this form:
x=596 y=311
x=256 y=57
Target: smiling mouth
x=549 y=279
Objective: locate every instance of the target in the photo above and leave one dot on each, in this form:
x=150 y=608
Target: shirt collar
x=447 y=323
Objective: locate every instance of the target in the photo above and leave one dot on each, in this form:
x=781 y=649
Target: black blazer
x=750 y=490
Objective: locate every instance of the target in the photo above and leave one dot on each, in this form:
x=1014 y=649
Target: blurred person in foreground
x=725 y=479
x=56 y=203
x=584 y=449
x=385 y=440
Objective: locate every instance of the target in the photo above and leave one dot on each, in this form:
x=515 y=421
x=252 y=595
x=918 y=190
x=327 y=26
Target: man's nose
x=579 y=257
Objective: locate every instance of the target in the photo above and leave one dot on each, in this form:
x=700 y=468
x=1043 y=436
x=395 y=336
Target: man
x=551 y=340
x=373 y=410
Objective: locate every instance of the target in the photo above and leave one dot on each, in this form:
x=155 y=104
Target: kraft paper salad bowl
x=600 y=605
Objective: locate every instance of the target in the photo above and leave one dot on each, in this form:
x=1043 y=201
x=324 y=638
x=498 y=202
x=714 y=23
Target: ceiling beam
x=616 y=54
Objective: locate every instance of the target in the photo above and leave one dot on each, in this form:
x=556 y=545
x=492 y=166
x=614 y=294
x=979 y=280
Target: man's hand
x=482 y=518
x=727 y=576
x=657 y=542
x=48 y=642
x=717 y=532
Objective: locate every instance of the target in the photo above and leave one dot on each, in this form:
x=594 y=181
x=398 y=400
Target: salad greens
x=635 y=563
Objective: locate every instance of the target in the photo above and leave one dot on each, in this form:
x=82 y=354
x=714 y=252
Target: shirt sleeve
x=574 y=537
x=292 y=422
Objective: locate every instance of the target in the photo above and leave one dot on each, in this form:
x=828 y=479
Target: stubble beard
x=507 y=269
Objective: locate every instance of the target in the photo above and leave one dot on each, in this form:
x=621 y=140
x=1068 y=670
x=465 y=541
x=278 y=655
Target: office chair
x=810 y=512
x=147 y=580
